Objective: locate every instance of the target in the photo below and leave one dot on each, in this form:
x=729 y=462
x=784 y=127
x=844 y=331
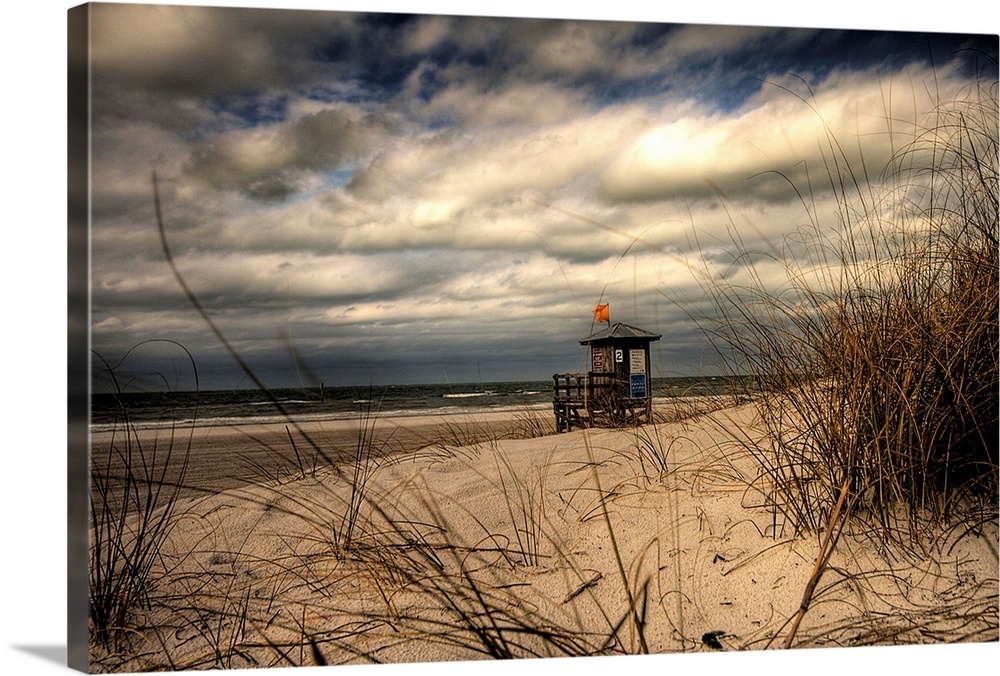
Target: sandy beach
x=651 y=539
x=232 y=456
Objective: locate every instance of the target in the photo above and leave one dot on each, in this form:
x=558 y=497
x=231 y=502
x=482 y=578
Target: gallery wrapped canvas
x=339 y=393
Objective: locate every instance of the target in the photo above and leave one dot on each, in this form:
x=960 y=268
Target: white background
x=33 y=361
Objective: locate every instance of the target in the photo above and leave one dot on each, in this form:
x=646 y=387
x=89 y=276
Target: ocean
x=247 y=406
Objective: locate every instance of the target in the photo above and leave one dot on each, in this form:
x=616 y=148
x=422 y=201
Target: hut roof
x=619 y=331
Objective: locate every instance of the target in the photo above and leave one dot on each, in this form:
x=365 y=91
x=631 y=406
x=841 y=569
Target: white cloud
x=860 y=118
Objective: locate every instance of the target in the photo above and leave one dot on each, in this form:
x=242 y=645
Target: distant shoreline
x=227 y=456
x=314 y=418
x=231 y=455
x=221 y=408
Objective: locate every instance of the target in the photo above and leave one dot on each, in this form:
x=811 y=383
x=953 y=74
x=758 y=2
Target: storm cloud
x=426 y=198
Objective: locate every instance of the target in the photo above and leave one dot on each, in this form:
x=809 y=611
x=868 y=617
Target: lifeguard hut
x=616 y=390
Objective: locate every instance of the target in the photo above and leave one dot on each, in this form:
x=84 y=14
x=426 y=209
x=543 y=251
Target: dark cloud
x=268 y=162
x=209 y=51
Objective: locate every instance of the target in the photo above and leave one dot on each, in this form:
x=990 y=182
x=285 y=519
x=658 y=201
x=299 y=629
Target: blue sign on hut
x=616 y=390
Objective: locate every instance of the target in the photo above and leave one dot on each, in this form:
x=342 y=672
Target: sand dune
x=657 y=539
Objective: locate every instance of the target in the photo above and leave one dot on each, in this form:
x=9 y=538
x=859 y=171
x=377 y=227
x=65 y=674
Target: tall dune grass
x=134 y=492
x=878 y=356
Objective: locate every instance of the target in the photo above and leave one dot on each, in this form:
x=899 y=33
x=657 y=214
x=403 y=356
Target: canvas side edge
x=78 y=335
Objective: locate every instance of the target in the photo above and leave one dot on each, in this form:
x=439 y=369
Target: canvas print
x=423 y=338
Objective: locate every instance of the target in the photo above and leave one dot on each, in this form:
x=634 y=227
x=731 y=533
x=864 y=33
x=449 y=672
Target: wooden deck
x=595 y=399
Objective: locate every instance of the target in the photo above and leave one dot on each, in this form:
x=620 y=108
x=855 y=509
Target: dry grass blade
x=834 y=529
x=133 y=500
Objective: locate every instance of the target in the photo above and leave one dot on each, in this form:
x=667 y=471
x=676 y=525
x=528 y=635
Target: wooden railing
x=594 y=399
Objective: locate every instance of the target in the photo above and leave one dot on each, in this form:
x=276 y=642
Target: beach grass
x=876 y=361
x=543 y=555
x=134 y=493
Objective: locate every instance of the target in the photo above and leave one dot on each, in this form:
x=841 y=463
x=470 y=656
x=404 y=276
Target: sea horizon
x=207 y=408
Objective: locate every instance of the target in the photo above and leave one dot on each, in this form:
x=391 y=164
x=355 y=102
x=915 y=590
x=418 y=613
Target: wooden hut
x=616 y=390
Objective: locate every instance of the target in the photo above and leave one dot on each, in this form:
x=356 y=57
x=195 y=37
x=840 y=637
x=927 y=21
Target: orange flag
x=601 y=314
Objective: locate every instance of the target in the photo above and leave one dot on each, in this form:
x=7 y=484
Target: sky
x=371 y=198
